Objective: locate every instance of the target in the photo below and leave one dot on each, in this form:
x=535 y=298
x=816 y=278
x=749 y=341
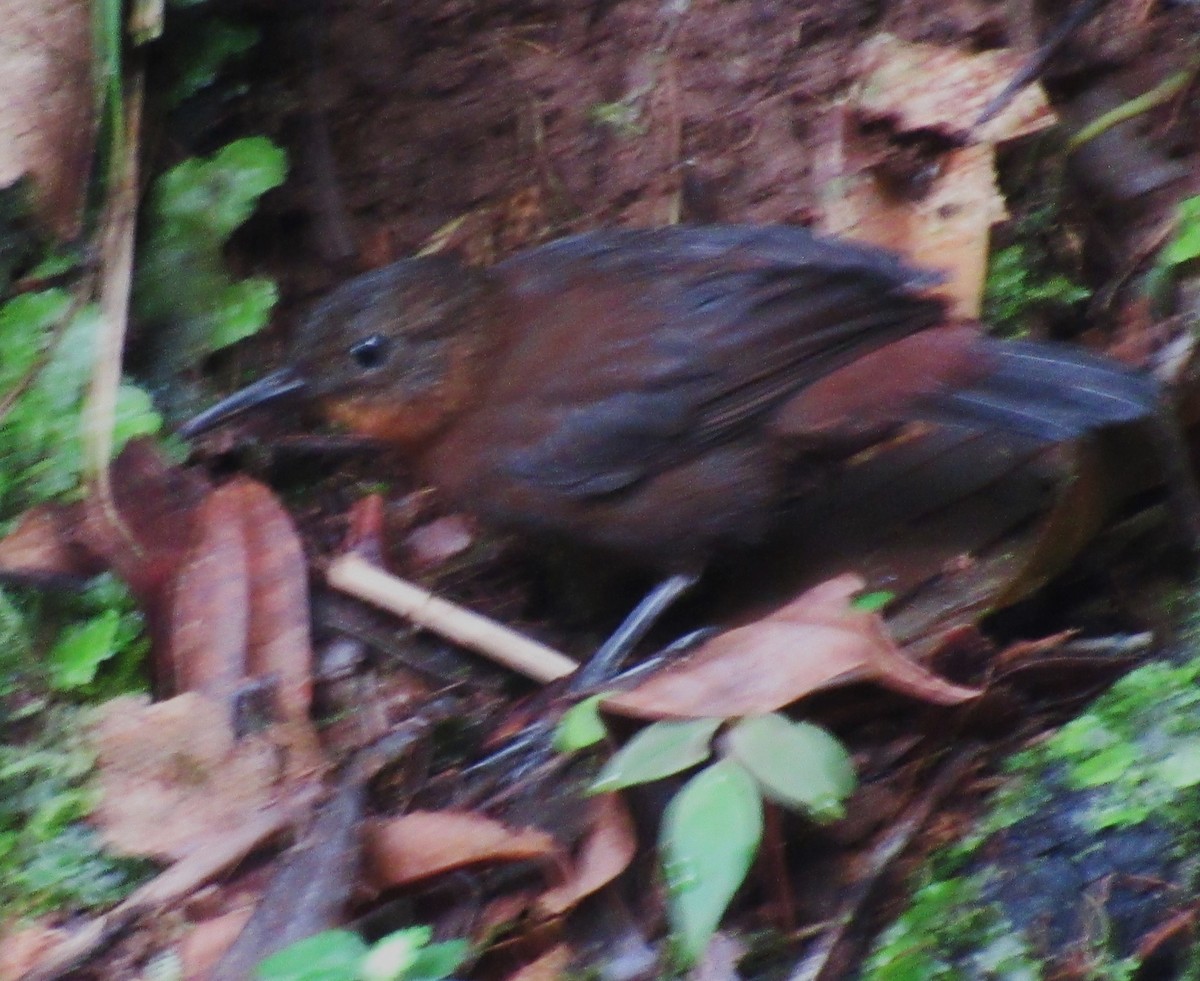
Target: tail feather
x=1047 y=392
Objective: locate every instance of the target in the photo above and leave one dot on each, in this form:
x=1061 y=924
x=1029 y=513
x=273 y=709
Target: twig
x=813 y=965
x=116 y=275
x=1037 y=63
x=1134 y=107
x=352 y=574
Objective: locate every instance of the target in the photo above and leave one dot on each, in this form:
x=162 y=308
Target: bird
x=654 y=393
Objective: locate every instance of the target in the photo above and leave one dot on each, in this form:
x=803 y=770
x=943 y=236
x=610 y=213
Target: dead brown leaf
x=277 y=639
x=815 y=642
x=142 y=536
x=149 y=527
x=220 y=574
x=22 y=947
x=240 y=601
x=174 y=778
x=606 y=852
x=923 y=88
x=208 y=940
x=421 y=844
x=440 y=540
x=550 y=966
x=206 y=649
x=932 y=87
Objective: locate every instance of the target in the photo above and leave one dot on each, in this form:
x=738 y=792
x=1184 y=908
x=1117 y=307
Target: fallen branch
x=350 y=573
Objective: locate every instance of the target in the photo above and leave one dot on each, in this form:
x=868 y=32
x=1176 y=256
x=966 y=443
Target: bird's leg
x=531 y=746
x=607 y=661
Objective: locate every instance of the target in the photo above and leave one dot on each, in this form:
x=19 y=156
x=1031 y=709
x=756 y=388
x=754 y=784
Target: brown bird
x=654 y=393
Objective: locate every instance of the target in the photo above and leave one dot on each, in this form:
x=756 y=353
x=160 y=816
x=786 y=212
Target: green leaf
x=660 y=750
x=335 y=955
x=872 y=602
x=438 y=961
x=797 y=764
x=25 y=323
x=1181 y=768
x=217 y=195
x=710 y=834
x=580 y=726
x=81 y=650
x=1185 y=246
x=242 y=309
x=392 y=957
x=41 y=450
x=407 y=955
x=182 y=286
x=201 y=62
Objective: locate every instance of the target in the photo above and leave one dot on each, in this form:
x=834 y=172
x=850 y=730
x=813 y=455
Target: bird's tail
x=1048 y=392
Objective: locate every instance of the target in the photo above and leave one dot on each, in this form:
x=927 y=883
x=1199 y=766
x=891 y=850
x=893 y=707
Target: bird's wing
x=641 y=348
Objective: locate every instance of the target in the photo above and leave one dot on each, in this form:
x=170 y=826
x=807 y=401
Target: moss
x=1085 y=851
x=1019 y=286
x=950 y=932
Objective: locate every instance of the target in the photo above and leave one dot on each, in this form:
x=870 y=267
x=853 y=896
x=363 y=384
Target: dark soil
x=534 y=119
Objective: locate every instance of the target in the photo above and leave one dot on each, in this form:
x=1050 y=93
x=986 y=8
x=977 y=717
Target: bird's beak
x=276 y=385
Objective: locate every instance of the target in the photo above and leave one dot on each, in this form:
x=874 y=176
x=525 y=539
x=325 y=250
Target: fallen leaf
x=932 y=87
x=607 y=850
x=23 y=946
x=208 y=940
x=206 y=648
x=815 y=642
x=915 y=89
x=439 y=541
x=240 y=601
x=173 y=777
x=365 y=529
x=550 y=966
x=151 y=523
x=277 y=639
x=220 y=574
x=421 y=844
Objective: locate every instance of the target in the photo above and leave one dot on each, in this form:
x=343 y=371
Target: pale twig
x=353 y=574
x=116 y=275
x=1126 y=111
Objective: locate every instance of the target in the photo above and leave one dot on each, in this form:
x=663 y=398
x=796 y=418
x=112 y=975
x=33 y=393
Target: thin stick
x=1134 y=107
x=1037 y=64
x=353 y=574
x=116 y=275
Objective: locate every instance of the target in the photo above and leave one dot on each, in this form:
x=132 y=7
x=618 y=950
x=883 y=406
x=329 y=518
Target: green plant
x=182 y=285
x=1181 y=250
x=49 y=860
x=1016 y=288
x=712 y=827
x=1185 y=245
x=339 y=955
x=104 y=630
x=47 y=342
x=200 y=62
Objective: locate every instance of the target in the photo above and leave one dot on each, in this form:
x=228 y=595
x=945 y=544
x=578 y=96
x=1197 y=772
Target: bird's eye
x=371 y=352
